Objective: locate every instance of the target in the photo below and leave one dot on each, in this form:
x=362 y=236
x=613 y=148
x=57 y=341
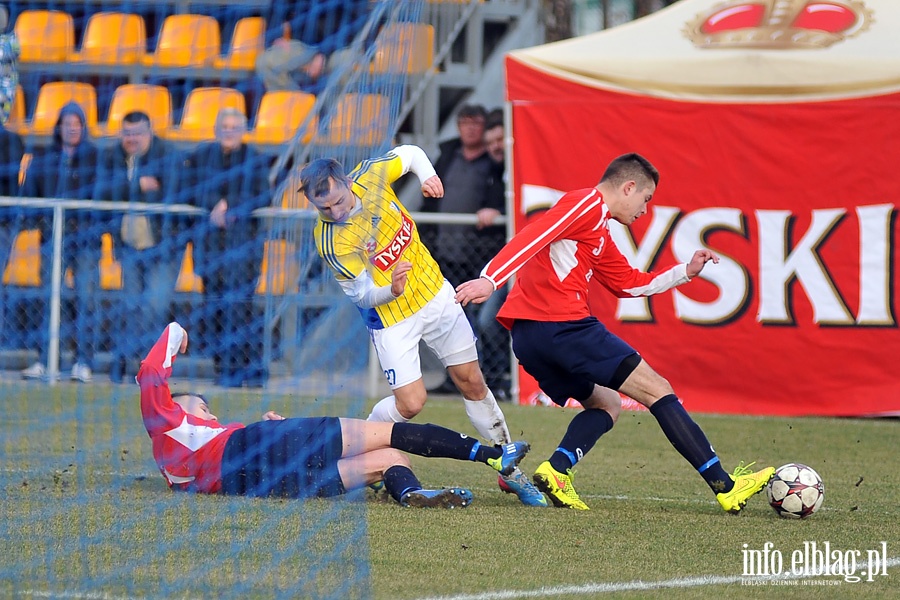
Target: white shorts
x=441 y=324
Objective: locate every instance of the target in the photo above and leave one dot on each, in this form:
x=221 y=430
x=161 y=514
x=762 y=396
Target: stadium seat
x=24 y=266
x=52 y=97
x=154 y=100
x=23 y=167
x=358 y=119
x=247 y=41
x=110 y=268
x=280 y=269
x=16 y=122
x=279 y=116
x=186 y=41
x=188 y=280
x=112 y=38
x=198 y=119
x=404 y=48
x=45 y=35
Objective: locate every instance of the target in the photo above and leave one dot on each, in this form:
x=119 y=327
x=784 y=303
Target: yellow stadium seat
x=52 y=97
x=16 y=121
x=404 y=48
x=154 y=100
x=280 y=269
x=24 y=266
x=247 y=41
x=186 y=41
x=113 y=38
x=358 y=119
x=291 y=197
x=110 y=268
x=279 y=116
x=198 y=119
x=23 y=167
x=45 y=35
x=188 y=280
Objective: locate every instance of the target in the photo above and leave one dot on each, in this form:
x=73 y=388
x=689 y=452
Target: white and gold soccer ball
x=795 y=491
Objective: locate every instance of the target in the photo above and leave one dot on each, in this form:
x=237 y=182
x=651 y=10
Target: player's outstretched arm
x=475 y=290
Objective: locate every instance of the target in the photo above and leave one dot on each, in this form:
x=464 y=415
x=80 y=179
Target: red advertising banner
x=798 y=198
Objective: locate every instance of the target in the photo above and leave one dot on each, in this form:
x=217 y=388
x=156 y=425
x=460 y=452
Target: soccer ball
x=795 y=491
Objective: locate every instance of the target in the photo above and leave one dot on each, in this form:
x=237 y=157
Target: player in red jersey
x=295 y=458
x=570 y=353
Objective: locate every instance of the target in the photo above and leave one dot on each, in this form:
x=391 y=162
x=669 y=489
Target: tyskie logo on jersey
x=386 y=258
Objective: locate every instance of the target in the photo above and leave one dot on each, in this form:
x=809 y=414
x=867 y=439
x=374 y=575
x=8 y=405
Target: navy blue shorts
x=567 y=358
x=293 y=458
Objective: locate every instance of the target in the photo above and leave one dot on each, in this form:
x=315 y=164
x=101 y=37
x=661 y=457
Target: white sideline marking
x=630 y=586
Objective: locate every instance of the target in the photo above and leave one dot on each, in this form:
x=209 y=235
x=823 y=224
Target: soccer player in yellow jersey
x=370 y=242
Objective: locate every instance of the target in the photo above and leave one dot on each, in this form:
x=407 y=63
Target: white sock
x=488 y=419
x=386 y=412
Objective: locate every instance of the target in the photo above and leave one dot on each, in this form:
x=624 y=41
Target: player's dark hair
x=494 y=119
x=175 y=397
x=630 y=167
x=136 y=116
x=314 y=178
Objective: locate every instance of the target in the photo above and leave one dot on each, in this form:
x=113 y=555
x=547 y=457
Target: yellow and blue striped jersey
x=376 y=238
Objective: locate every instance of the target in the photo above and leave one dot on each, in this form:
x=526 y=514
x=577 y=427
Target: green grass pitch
x=85 y=514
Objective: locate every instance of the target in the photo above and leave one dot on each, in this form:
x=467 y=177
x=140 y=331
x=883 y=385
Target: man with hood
x=67 y=170
x=141 y=168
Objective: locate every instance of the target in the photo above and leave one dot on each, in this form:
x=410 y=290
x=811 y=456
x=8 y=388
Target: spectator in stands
x=293 y=65
x=493 y=337
x=461 y=250
x=149 y=245
x=9 y=73
x=10 y=159
x=230 y=180
x=67 y=170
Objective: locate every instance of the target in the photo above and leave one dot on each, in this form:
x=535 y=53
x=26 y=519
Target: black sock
x=690 y=441
x=398 y=480
x=432 y=440
x=583 y=432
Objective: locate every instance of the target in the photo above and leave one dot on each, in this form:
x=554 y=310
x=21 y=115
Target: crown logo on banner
x=778 y=24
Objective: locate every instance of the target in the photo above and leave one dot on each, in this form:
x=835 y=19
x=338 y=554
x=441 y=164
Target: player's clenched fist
x=433 y=187
x=399 y=276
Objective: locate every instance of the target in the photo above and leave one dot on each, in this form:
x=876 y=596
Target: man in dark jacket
x=141 y=168
x=468 y=173
x=10 y=159
x=67 y=170
x=230 y=180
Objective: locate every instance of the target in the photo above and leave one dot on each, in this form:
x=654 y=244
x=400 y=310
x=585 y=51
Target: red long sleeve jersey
x=188 y=450
x=557 y=255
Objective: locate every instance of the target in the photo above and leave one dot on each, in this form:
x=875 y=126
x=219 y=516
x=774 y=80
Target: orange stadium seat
x=198 y=119
x=52 y=97
x=247 y=41
x=404 y=48
x=154 y=100
x=24 y=266
x=113 y=38
x=290 y=196
x=186 y=41
x=16 y=122
x=110 y=268
x=360 y=119
x=280 y=269
x=45 y=35
x=188 y=280
x=279 y=116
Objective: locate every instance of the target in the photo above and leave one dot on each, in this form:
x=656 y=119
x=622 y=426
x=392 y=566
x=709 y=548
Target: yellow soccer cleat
x=558 y=486
x=746 y=484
